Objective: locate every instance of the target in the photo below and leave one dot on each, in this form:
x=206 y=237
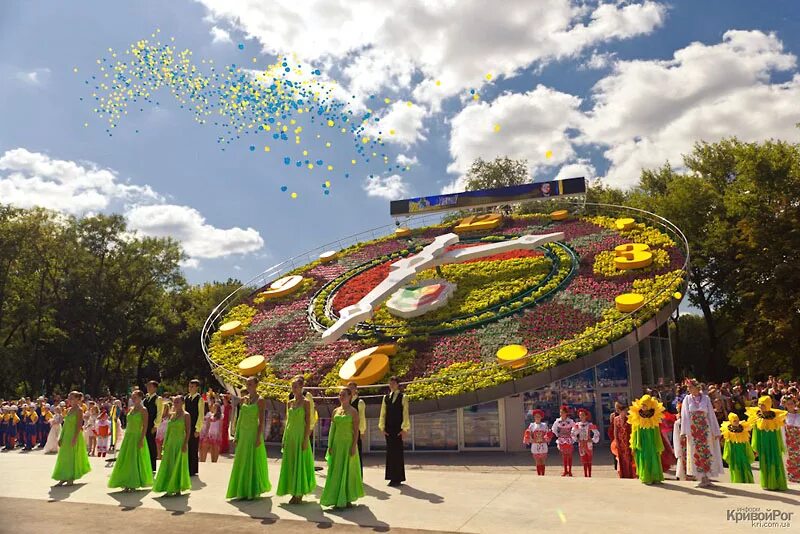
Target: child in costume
x=645 y=418
x=792 y=432
x=51 y=446
x=103 y=431
x=585 y=434
x=43 y=425
x=679 y=443
x=173 y=471
x=89 y=428
x=737 y=452
x=538 y=436
x=29 y=419
x=132 y=468
x=210 y=434
x=3 y=425
x=11 y=430
x=162 y=427
x=767 y=442
x=72 y=461
x=562 y=428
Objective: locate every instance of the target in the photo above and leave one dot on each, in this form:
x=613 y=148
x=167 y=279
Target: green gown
x=739 y=457
x=343 y=484
x=769 y=446
x=72 y=462
x=132 y=468
x=297 y=466
x=647 y=447
x=249 y=476
x=173 y=471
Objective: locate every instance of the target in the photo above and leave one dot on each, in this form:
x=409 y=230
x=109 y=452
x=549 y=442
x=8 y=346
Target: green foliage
x=86 y=304
x=500 y=172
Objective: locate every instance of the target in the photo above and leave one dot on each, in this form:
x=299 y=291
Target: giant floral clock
x=452 y=308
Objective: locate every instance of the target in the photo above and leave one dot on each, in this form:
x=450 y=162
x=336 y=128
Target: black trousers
x=360 y=457
x=194 y=444
x=395 y=465
x=151 y=445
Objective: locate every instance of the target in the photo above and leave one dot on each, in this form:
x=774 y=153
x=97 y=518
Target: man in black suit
x=395 y=423
x=154 y=406
x=195 y=406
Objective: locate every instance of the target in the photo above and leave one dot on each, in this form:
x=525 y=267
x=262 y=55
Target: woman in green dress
x=343 y=485
x=72 y=461
x=173 y=472
x=249 y=476
x=767 y=442
x=297 y=465
x=132 y=468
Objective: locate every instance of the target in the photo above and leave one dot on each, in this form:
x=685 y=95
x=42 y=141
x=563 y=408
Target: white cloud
x=35 y=76
x=29 y=179
x=650 y=112
x=389 y=187
x=391 y=44
x=530 y=124
x=402 y=124
x=219 y=35
x=599 y=60
x=187 y=225
x=406 y=161
x=575 y=170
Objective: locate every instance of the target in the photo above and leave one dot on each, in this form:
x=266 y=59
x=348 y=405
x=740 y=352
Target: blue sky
x=607 y=87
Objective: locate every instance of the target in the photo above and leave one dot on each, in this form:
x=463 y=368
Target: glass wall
x=436 y=431
x=481 y=426
x=594 y=389
x=655 y=354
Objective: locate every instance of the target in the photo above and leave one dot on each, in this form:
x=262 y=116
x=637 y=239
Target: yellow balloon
x=294 y=195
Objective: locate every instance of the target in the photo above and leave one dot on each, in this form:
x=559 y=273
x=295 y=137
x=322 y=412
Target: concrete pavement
x=506 y=500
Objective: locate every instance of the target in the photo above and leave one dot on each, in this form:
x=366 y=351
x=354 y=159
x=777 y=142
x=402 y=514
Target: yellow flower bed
x=640 y=233
x=604 y=264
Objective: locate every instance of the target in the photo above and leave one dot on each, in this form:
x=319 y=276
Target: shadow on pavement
x=771 y=496
x=129 y=500
x=260 y=508
x=685 y=489
x=375 y=492
x=361 y=515
x=421 y=495
x=310 y=511
x=59 y=493
x=177 y=504
x=197 y=483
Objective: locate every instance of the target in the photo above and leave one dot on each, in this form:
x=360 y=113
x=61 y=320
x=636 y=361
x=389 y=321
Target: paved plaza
x=491 y=493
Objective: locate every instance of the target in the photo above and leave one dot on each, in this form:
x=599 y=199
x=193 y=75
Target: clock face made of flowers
x=548 y=290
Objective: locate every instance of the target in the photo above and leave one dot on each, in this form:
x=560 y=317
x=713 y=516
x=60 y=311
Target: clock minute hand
x=432 y=255
x=399 y=273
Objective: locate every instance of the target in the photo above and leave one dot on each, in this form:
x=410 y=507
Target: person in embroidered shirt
x=395 y=423
x=699 y=425
x=562 y=428
x=585 y=434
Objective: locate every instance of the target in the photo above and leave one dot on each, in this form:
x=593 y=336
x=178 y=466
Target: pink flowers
x=586 y=284
x=550 y=323
x=443 y=351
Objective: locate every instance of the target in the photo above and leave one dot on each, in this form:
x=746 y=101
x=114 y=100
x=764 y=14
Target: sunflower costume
x=737 y=451
x=768 y=443
x=645 y=417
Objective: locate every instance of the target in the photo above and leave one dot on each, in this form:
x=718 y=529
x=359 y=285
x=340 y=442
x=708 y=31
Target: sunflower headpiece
x=646 y=412
x=734 y=430
x=766 y=418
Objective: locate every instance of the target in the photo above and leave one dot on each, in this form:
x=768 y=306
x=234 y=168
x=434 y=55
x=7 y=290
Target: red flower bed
x=443 y=351
x=550 y=323
x=357 y=287
x=321 y=359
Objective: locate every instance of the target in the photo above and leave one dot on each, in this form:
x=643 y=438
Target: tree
x=500 y=172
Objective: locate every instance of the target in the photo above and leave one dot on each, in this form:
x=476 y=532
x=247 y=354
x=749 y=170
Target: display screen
x=487 y=197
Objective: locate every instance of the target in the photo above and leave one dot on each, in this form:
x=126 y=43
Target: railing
x=276 y=271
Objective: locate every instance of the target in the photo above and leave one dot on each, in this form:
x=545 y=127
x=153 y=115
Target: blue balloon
x=284 y=188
